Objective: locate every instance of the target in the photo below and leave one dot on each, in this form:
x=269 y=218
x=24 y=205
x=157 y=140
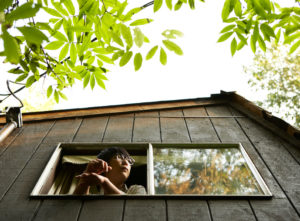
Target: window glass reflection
x=219 y=171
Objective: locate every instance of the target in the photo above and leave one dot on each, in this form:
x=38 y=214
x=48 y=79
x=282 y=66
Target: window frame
x=48 y=175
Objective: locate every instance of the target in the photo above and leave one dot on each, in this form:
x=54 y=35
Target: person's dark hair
x=108 y=153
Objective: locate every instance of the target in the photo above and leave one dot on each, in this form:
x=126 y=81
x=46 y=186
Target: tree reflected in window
x=211 y=171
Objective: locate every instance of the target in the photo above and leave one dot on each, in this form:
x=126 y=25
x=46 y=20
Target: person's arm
x=89 y=179
x=97 y=166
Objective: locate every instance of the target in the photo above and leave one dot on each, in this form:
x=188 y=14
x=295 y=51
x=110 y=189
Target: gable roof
x=263 y=117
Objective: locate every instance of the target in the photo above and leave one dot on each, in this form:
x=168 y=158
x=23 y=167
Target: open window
x=165 y=170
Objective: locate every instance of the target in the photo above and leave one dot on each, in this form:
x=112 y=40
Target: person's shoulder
x=136 y=189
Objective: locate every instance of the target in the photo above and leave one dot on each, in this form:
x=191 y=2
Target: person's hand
x=91 y=179
x=97 y=166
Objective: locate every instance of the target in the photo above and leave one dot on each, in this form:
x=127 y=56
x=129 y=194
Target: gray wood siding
x=26 y=151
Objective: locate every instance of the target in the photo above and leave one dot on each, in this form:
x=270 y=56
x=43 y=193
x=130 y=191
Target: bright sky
x=205 y=68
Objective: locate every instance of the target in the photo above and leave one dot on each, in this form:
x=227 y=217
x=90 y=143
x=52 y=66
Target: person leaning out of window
x=109 y=172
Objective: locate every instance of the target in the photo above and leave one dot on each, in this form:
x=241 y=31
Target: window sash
x=46 y=179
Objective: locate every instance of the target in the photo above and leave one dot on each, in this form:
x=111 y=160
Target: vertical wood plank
x=91 y=130
x=145 y=210
x=104 y=210
x=146 y=130
x=147 y=114
x=173 y=130
x=63 y=131
x=200 y=129
x=187 y=210
x=275 y=210
x=231 y=210
x=119 y=129
x=171 y=113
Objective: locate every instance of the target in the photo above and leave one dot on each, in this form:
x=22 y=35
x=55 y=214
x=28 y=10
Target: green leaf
x=52 y=12
x=262 y=43
x=225 y=36
x=49 y=91
x=91 y=60
x=100 y=63
x=233 y=46
x=69 y=5
x=26 y=10
x=11 y=48
x=240 y=45
x=117 y=39
x=16 y=71
x=241 y=37
x=163 y=56
x=226 y=10
x=30 y=81
x=56 y=96
x=278 y=36
x=227 y=28
x=125 y=58
x=178 y=5
x=267 y=30
x=117 y=55
x=173 y=47
x=169 y=4
x=22 y=77
x=73 y=53
x=138 y=37
x=294 y=47
x=92 y=82
x=138 y=60
x=24 y=65
x=86 y=79
x=33 y=35
x=58 y=24
x=253 y=43
x=172 y=33
x=192 y=4
x=142 y=21
x=238 y=8
x=291 y=38
x=5 y=4
x=59 y=36
x=63 y=96
x=99 y=79
x=157 y=5
x=64 y=51
x=54 y=45
x=152 y=52
x=58 y=6
x=258 y=8
x=126 y=33
x=105 y=59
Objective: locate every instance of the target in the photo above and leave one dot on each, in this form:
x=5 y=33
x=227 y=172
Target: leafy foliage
x=80 y=41
x=83 y=38
x=278 y=72
x=256 y=22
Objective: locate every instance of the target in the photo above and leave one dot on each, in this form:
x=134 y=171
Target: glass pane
x=219 y=171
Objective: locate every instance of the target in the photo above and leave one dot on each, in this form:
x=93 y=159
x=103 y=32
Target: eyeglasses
x=121 y=157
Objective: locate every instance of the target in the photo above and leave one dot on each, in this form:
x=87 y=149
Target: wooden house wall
x=26 y=151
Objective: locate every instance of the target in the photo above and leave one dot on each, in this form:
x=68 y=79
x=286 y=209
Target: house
x=272 y=144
